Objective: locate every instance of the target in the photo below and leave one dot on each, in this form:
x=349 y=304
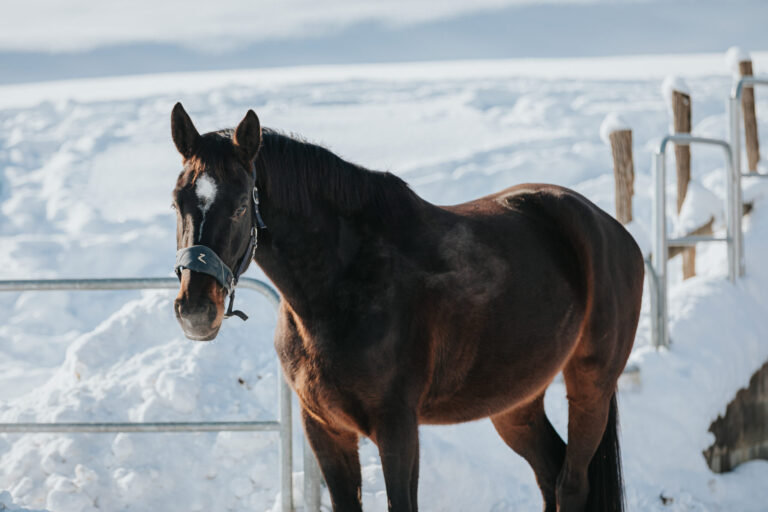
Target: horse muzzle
x=199 y=307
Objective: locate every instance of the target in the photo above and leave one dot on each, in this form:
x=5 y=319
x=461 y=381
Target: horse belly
x=503 y=371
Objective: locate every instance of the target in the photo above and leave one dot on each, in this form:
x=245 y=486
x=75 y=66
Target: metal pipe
x=746 y=81
x=734 y=117
x=138 y=283
x=128 y=283
x=691 y=240
x=312 y=477
x=92 y=427
x=659 y=255
x=653 y=284
x=733 y=191
x=286 y=444
x=684 y=139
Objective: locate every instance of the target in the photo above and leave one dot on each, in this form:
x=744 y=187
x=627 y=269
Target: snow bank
x=137 y=367
x=612 y=123
x=733 y=57
x=6 y=503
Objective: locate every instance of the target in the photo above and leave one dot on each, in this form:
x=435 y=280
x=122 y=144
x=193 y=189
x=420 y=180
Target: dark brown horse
x=397 y=312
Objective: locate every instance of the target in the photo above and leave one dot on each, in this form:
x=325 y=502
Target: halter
x=203 y=259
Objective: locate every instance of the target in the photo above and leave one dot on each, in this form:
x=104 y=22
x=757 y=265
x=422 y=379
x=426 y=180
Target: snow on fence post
x=678 y=98
x=740 y=63
x=617 y=134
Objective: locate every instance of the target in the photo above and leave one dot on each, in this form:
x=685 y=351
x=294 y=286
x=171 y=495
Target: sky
x=48 y=39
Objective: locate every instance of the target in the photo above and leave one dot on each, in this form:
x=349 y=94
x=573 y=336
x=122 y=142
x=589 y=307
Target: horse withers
x=397 y=312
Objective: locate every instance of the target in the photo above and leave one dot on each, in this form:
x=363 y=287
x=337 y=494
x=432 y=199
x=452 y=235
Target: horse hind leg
x=527 y=430
x=590 y=479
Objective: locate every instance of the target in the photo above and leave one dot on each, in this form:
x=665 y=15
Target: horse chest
x=335 y=390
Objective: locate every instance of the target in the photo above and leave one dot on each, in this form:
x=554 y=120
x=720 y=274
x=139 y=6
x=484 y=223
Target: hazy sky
x=55 y=25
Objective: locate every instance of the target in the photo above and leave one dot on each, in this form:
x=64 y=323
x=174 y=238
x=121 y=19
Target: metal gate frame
x=661 y=241
x=734 y=120
x=282 y=425
x=733 y=212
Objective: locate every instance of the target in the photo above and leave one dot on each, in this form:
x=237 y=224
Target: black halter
x=200 y=258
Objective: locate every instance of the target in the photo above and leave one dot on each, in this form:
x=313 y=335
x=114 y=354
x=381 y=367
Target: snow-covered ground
x=86 y=171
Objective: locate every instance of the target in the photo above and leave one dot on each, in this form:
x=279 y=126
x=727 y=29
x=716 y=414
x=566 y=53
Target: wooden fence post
x=679 y=100
x=617 y=134
x=623 y=173
x=750 y=118
x=681 y=122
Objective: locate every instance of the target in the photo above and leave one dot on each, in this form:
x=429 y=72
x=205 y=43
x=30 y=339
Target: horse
x=396 y=312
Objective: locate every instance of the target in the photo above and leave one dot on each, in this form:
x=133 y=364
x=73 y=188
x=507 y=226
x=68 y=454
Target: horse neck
x=298 y=260
x=305 y=253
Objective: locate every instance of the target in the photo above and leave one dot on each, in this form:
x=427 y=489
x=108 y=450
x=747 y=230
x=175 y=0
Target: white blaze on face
x=205 y=188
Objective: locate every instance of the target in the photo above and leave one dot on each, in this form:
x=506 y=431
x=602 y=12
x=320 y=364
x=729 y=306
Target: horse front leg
x=336 y=452
x=397 y=437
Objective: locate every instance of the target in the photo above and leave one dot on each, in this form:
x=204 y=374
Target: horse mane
x=297 y=174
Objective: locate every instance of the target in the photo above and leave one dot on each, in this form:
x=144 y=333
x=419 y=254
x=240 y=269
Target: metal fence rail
x=661 y=241
x=282 y=425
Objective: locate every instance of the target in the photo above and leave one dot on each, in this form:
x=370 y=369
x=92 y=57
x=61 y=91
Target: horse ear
x=248 y=136
x=184 y=133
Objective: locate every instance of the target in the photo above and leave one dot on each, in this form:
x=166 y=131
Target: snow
x=734 y=56
x=612 y=123
x=641 y=236
x=671 y=84
x=699 y=207
x=59 y=92
x=6 y=503
x=86 y=172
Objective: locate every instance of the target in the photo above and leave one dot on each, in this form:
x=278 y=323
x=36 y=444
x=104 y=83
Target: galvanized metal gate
x=282 y=425
x=734 y=237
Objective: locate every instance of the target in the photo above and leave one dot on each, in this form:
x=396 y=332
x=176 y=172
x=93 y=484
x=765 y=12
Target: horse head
x=215 y=211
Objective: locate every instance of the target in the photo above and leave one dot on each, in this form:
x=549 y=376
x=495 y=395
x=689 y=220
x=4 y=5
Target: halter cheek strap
x=203 y=259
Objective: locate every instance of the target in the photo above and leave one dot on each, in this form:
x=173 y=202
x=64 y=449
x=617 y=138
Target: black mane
x=297 y=174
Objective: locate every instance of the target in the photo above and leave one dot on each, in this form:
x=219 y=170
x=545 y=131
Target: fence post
x=618 y=136
x=750 y=118
x=624 y=173
x=679 y=99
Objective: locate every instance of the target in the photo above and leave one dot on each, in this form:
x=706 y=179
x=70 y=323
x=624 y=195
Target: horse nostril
x=203 y=311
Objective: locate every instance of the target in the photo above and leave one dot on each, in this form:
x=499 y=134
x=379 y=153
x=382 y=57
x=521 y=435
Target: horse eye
x=240 y=211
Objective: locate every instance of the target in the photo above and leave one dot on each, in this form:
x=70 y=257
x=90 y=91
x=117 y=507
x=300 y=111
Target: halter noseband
x=203 y=259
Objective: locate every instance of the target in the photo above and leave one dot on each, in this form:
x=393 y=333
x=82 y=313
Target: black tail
x=606 y=485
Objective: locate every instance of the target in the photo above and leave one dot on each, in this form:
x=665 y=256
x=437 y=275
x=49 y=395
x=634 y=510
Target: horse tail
x=606 y=484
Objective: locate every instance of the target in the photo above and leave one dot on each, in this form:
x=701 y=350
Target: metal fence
x=734 y=237
x=661 y=240
x=734 y=125
x=282 y=425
